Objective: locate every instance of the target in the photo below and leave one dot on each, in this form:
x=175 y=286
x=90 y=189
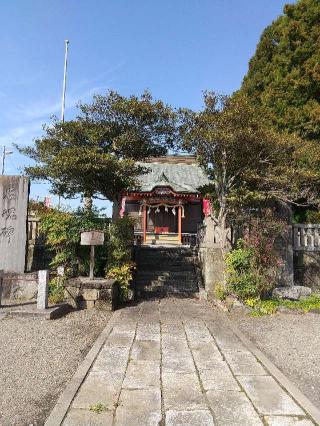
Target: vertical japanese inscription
x=14 y=192
x=7 y=229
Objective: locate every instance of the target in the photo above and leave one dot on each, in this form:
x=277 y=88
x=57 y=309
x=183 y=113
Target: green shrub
x=313 y=216
x=220 y=292
x=56 y=290
x=119 y=249
x=120 y=244
x=243 y=274
x=123 y=276
x=62 y=229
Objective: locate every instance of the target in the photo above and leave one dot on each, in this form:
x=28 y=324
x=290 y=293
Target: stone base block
x=295 y=292
x=20 y=286
x=30 y=310
x=84 y=293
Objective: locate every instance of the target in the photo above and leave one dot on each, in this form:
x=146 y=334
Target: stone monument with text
x=14 y=194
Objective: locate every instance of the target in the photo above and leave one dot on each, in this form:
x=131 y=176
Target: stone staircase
x=162 y=239
x=164 y=271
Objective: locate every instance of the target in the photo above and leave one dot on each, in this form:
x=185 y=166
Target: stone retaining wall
x=212 y=267
x=307 y=269
x=20 y=286
x=83 y=293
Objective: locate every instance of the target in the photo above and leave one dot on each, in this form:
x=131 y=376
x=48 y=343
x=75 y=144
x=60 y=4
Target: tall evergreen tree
x=284 y=73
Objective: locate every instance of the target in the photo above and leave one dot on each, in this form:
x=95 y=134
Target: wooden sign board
x=92 y=238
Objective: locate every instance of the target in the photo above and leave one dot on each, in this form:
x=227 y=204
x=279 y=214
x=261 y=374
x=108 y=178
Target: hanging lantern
x=166 y=208
x=174 y=211
x=157 y=210
x=149 y=210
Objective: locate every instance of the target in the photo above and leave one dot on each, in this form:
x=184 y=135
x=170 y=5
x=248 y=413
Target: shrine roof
x=181 y=173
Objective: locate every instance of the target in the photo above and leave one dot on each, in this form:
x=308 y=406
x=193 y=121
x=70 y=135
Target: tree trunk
x=115 y=209
x=87 y=201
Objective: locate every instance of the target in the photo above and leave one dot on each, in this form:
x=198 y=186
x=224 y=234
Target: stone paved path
x=174 y=362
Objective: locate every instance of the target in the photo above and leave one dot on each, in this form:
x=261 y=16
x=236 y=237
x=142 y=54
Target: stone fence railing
x=37 y=256
x=306 y=237
x=33 y=229
x=208 y=234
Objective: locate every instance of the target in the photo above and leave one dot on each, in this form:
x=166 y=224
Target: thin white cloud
x=31 y=117
x=37 y=115
x=82 y=91
x=21 y=134
x=44 y=109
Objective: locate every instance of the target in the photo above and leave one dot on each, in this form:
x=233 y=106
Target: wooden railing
x=138 y=238
x=189 y=239
x=306 y=237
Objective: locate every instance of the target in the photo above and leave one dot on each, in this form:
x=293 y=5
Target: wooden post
x=91 y=262
x=144 y=223
x=179 y=224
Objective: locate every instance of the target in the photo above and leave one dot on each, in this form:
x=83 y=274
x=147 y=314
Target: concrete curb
x=296 y=394
x=59 y=411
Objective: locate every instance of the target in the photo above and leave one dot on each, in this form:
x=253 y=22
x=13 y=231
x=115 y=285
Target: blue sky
x=174 y=48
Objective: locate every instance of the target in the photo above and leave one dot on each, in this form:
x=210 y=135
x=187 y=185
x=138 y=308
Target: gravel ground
x=37 y=358
x=292 y=342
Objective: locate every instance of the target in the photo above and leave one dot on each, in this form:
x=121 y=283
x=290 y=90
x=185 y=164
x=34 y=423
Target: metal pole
x=3 y=158
x=64 y=80
x=64 y=88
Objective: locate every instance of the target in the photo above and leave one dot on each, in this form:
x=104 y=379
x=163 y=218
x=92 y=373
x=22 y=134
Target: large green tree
x=247 y=160
x=284 y=73
x=95 y=154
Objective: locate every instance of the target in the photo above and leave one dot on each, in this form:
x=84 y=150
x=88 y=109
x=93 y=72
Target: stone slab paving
x=175 y=362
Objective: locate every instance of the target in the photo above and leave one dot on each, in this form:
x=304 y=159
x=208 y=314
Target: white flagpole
x=5 y=152
x=64 y=88
x=3 y=160
x=64 y=80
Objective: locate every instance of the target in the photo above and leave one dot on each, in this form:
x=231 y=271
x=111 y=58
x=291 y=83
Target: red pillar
x=179 y=224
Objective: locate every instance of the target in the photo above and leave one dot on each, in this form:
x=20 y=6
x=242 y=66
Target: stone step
x=157 y=250
x=163 y=263
x=165 y=291
x=167 y=268
x=156 y=282
x=164 y=271
x=162 y=291
x=162 y=237
x=164 y=255
x=178 y=261
x=185 y=275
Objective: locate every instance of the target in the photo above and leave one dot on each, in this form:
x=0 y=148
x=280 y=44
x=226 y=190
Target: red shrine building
x=167 y=205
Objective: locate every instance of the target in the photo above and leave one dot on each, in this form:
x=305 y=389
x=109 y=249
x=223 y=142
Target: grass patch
x=311 y=302
x=270 y=306
x=98 y=408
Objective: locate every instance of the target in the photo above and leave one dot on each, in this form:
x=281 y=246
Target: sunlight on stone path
x=174 y=362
